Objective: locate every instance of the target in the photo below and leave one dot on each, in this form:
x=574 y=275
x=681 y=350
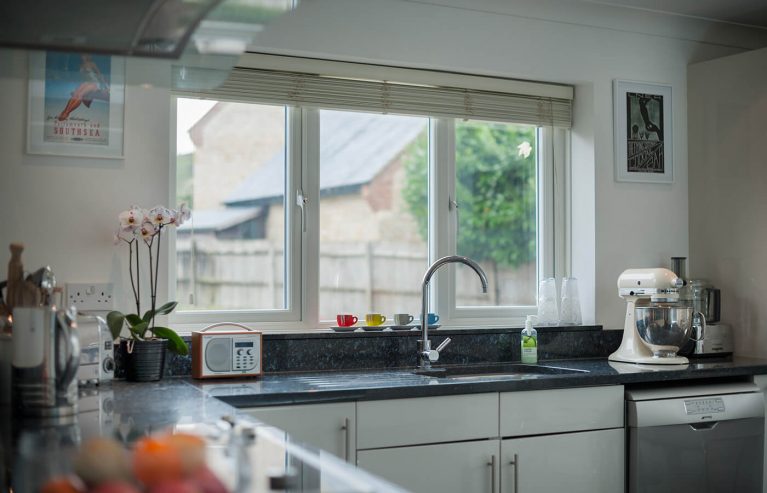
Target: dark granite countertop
x=34 y=451
x=127 y=411
x=329 y=386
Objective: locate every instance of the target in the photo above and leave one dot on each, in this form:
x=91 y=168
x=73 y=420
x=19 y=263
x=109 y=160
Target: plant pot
x=146 y=363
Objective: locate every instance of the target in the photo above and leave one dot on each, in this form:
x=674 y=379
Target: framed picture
x=643 y=132
x=75 y=105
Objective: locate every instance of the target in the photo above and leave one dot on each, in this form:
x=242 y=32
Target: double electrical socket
x=90 y=296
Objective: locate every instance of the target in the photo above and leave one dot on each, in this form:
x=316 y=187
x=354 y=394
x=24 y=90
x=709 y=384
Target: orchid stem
x=138 y=283
x=151 y=277
x=156 y=273
x=130 y=272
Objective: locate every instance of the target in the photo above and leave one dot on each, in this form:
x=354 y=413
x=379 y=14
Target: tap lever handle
x=443 y=344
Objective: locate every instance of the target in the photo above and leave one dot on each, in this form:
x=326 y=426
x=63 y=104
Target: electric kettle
x=46 y=354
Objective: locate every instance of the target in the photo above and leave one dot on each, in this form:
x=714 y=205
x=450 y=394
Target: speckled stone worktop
x=316 y=387
x=34 y=450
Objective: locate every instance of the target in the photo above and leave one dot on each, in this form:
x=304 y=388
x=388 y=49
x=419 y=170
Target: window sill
x=276 y=334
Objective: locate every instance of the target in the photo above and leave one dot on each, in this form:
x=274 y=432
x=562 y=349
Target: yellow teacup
x=374 y=319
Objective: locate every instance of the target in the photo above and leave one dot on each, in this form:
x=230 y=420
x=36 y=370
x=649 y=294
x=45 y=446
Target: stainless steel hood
x=152 y=28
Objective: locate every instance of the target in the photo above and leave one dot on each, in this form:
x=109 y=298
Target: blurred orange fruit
x=115 y=487
x=155 y=461
x=61 y=485
x=100 y=460
x=176 y=486
x=190 y=448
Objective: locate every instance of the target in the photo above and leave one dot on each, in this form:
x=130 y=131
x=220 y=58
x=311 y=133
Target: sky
x=188 y=112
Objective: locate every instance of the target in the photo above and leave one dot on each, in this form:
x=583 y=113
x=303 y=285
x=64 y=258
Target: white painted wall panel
x=64 y=208
x=728 y=179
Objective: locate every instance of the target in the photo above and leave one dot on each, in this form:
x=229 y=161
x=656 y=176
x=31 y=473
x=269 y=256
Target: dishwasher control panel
x=704 y=406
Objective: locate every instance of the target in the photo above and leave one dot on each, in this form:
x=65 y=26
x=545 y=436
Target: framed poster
x=75 y=105
x=642 y=132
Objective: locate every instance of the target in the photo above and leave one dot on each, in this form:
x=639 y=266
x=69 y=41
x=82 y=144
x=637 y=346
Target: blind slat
x=293 y=88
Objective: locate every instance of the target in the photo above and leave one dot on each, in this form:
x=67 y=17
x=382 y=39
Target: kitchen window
x=308 y=209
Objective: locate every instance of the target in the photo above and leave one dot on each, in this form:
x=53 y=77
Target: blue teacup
x=432 y=318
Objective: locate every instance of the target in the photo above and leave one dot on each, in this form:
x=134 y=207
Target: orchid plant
x=141 y=228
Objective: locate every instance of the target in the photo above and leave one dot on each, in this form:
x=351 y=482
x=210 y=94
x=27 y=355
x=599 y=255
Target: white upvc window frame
x=553 y=246
x=297 y=142
x=302 y=276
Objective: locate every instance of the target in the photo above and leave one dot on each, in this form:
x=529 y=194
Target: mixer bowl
x=664 y=328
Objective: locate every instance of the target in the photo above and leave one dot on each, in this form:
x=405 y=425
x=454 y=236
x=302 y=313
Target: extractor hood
x=152 y=28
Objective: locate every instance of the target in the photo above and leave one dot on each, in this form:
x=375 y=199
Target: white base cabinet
x=329 y=427
x=442 y=468
x=569 y=440
x=585 y=462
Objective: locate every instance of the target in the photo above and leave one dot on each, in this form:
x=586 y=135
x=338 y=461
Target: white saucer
x=351 y=328
x=413 y=327
x=403 y=327
x=374 y=328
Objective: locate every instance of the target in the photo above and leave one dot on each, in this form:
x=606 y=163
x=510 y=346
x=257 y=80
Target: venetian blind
x=385 y=96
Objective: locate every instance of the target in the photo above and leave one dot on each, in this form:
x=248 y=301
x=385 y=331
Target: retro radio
x=233 y=350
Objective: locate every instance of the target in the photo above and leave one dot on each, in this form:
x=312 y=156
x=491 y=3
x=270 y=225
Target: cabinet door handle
x=515 y=463
x=492 y=473
x=345 y=429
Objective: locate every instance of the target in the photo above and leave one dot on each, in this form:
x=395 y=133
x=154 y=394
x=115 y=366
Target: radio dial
x=239 y=352
x=249 y=352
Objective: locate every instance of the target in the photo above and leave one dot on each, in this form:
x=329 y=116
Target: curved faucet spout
x=427 y=355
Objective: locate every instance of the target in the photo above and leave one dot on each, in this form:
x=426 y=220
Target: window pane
x=373 y=213
x=231 y=170
x=496 y=184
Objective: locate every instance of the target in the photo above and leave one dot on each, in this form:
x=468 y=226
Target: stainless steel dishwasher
x=702 y=438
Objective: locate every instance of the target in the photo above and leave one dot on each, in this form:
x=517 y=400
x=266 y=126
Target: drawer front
x=464 y=467
x=562 y=410
x=400 y=422
x=329 y=427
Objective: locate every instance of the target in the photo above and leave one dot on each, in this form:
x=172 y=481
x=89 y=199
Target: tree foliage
x=495 y=189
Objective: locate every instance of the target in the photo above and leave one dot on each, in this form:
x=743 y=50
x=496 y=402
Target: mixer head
x=647 y=289
x=658 y=284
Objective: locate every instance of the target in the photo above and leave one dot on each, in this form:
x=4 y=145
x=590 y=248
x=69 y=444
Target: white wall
x=728 y=184
x=64 y=209
x=615 y=225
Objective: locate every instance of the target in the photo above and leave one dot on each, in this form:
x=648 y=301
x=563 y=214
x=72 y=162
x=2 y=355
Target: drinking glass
x=570 y=308
x=548 y=310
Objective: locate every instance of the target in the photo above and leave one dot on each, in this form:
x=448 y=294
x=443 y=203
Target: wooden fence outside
x=355 y=277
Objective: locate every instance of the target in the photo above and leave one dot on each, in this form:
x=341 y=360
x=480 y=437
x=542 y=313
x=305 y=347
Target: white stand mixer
x=645 y=284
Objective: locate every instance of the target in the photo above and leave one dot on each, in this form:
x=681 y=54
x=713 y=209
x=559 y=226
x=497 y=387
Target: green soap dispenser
x=529 y=342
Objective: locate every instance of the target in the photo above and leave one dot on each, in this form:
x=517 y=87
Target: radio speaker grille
x=218 y=354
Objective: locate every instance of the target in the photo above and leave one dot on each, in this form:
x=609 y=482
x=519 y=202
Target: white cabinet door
x=540 y=412
x=585 y=462
x=465 y=467
x=423 y=420
x=330 y=427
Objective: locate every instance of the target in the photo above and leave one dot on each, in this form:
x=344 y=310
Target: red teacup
x=346 y=320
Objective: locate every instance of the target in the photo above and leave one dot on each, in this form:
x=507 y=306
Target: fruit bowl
x=664 y=327
x=167 y=463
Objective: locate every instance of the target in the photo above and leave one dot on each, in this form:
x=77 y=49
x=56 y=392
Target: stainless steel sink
x=513 y=371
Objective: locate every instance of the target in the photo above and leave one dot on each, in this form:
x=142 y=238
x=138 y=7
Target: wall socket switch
x=90 y=296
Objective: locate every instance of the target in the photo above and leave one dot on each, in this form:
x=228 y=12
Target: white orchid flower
x=131 y=218
x=158 y=215
x=184 y=214
x=146 y=231
x=171 y=217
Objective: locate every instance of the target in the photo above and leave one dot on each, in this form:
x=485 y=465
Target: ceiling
x=745 y=12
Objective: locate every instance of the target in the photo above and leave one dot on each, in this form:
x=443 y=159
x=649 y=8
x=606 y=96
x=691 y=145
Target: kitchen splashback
x=324 y=350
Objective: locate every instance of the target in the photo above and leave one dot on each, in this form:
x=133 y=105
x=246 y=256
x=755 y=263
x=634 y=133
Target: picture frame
x=643 y=132
x=76 y=105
